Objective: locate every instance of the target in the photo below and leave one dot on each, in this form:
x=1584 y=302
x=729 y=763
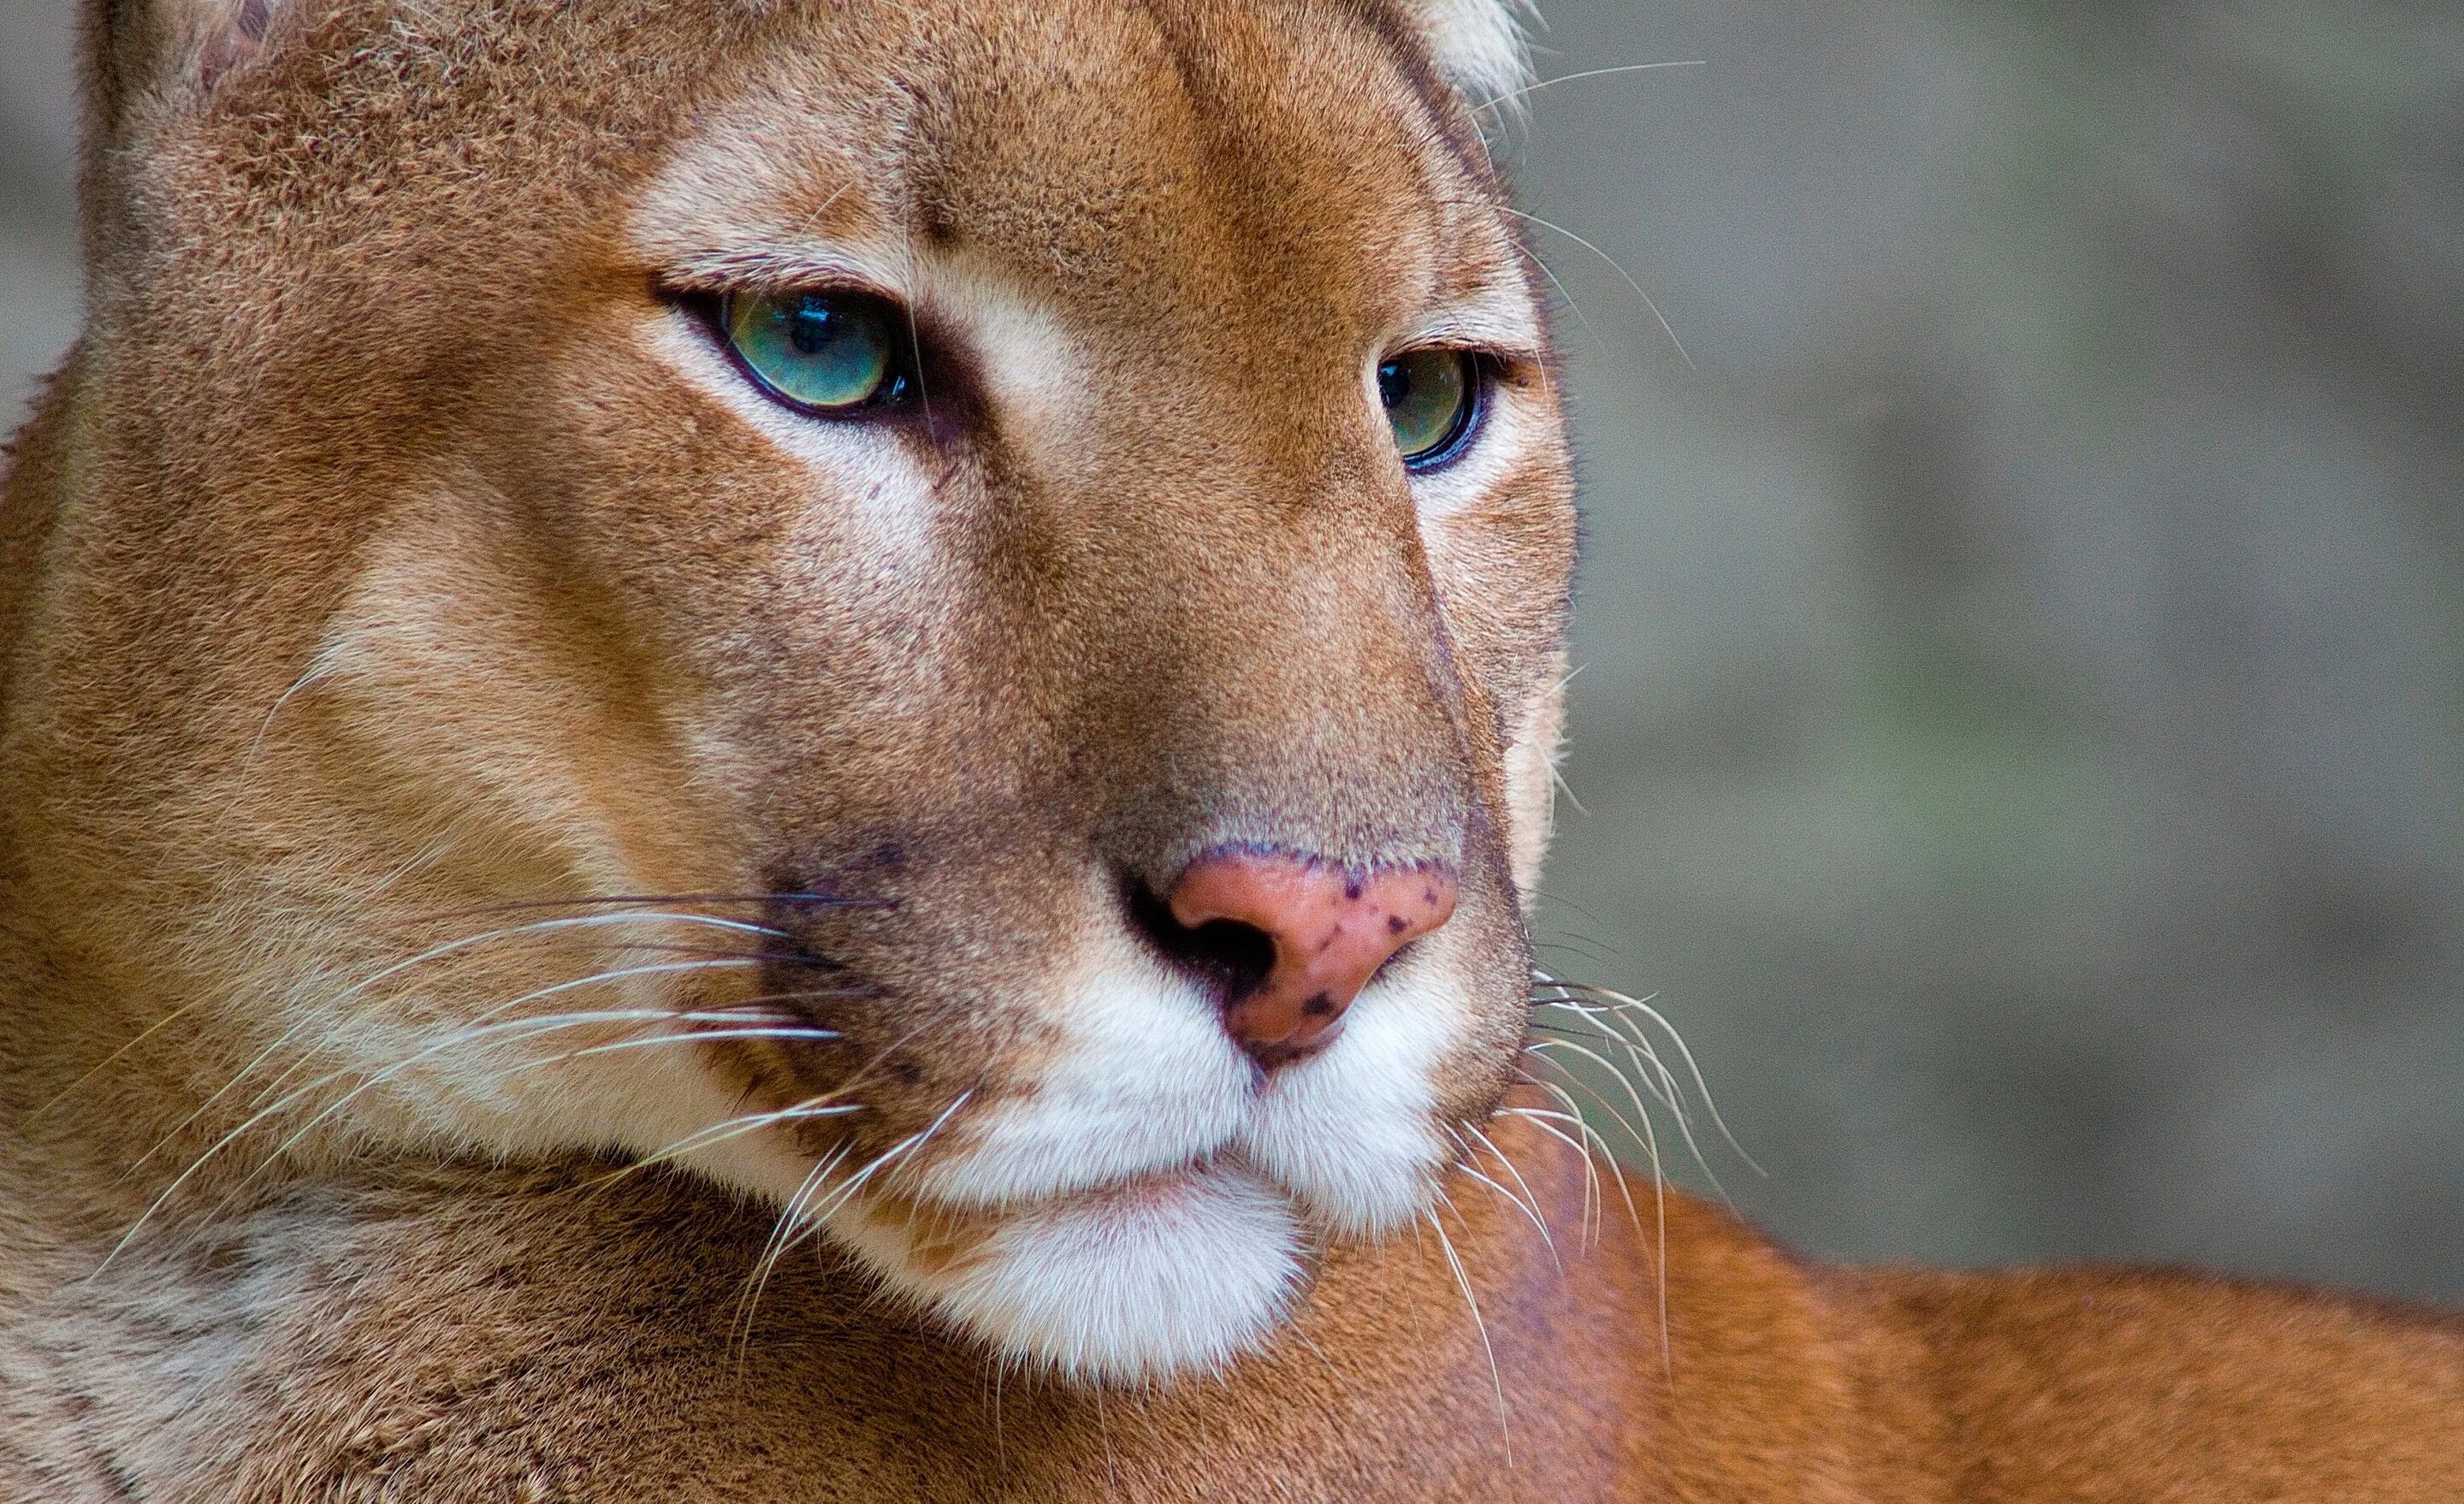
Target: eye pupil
x=812 y=327
x=818 y=352
x=1431 y=397
x=1393 y=385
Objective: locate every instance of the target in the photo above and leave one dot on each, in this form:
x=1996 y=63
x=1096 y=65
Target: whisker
x=255 y=1119
x=434 y=953
x=1660 y=317
x=1589 y=1227
x=1513 y=95
x=1464 y=1166
x=797 y=899
x=1462 y=1282
x=698 y=1037
x=348 y=993
x=483 y=1017
x=1650 y=1142
x=1634 y=1093
x=727 y=1130
x=773 y=1246
x=1621 y=1002
x=1530 y=1198
x=1656 y=1078
x=527 y=1028
x=814 y=1221
x=1664 y=1091
x=1592 y=1133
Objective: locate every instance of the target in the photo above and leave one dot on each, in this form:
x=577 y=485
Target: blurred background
x=2020 y=732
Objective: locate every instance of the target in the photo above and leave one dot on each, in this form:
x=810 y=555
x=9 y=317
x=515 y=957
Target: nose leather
x=1332 y=929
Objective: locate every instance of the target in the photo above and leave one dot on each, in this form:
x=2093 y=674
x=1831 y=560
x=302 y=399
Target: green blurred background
x=2020 y=735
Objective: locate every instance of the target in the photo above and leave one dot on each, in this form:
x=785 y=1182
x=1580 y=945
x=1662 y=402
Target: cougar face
x=947 y=613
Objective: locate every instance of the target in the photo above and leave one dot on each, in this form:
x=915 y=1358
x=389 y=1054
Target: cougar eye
x=1431 y=397
x=825 y=352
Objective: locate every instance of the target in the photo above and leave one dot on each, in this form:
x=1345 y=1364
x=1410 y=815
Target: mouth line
x=948 y=1220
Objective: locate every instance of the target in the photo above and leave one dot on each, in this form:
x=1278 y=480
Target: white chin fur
x=1350 y=1132
x=1131 y=1285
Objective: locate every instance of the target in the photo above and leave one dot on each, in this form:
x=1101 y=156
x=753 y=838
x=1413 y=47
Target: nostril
x=1232 y=957
x=1291 y=940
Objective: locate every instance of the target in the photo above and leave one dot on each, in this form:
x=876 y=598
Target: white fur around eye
x=1505 y=427
x=863 y=467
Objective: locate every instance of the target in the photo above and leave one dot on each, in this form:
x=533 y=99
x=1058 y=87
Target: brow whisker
x=1666 y=328
x=1513 y=95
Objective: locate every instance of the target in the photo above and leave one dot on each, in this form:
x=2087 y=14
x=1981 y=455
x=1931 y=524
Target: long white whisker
x=435 y=953
x=1464 y=1166
x=1531 y=1196
x=1641 y=1136
x=1659 y=1192
x=771 y=1248
x=1604 y=1024
x=526 y=1029
x=728 y=1130
x=1634 y=1094
x=1663 y=319
x=462 y=1037
x=1666 y=1092
x=812 y=1222
x=1462 y=1282
x=1658 y=1079
x=1537 y=1117
x=1529 y=89
x=1684 y=1053
x=483 y=1017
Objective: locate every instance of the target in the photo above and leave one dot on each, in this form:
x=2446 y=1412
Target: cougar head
x=948 y=613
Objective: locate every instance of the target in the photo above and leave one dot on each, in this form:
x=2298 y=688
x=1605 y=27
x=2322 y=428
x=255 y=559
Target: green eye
x=824 y=352
x=1430 y=397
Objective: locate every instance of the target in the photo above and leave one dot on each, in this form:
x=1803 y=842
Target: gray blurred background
x=2020 y=735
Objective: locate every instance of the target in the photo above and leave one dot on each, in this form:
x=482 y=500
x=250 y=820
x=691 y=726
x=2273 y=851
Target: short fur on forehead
x=1478 y=44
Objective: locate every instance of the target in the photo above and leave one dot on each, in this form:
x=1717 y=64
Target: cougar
x=791 y=750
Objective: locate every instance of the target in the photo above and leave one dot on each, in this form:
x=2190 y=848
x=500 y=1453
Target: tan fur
x=397 y=563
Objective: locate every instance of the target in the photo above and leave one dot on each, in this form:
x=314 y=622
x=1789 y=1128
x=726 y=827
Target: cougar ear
x=1478 y=45
x=137 y=50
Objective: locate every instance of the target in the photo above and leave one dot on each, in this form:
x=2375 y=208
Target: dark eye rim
x=1480 y=381
x=899 y=388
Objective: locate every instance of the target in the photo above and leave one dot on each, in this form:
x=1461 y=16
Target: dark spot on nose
x=1296 y=936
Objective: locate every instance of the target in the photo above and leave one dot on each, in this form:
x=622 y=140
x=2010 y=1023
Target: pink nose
x=1330 y=929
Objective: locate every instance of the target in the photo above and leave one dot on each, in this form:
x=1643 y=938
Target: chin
x=1129 y=1285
